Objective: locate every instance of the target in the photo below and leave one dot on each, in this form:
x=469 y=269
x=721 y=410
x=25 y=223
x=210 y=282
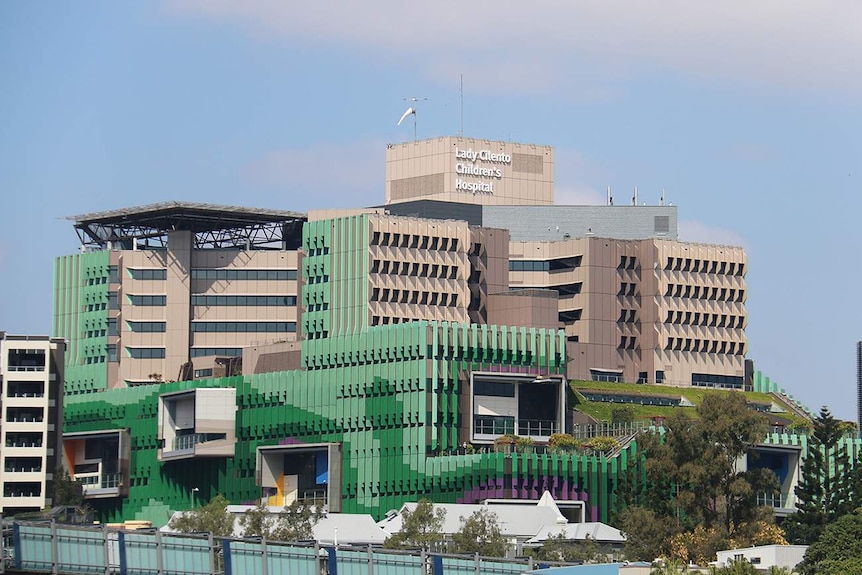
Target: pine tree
x=825 y=491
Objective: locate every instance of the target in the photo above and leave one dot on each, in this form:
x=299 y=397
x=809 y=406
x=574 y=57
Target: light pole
x=195 y=490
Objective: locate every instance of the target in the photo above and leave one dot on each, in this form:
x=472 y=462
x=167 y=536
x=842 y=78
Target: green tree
x=295 y=522
x=670 y=568
x=559 y=548
x=825 y=491
x=257 y=522
x=420 y=528
x=480 y=533
x=740 y=567
x=695 y=465
x=67 y=491
x=212 y=517
x=838 y=551
x=695 y=499
x=648 y=534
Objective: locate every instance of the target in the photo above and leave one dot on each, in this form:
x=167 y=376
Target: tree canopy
x=295 y=522
x=559 y=548
x=695 y=499
x=838 y=551
x=480 y=533
x=420 y=528
x=828 y=487
x=212 y=517
x=67 y=491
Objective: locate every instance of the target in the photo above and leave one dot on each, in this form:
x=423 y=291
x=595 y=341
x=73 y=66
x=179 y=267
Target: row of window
x=97 y=281
x=705 y=292
x=244 y=300
x=146 y=352
x=210 y=351
x=713 y=380
x=398 y=240
x=705 y=346
x=628 y=342
x=627 y=288
x=493 y=389
x=414 y=269
x=570 y=316
x=315 y=279
x=318 y=251
x=243 y=326
x=148 y=300
x=627 y=316
x=147 y=326
x=705 y=266
x=148 y=274
x=704 y=319
x=628 y=263
x=414 y=297
x=236 y=274
x=552 y=265
x=208 y=274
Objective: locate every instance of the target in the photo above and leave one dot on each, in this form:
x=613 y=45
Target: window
x=659 y=376
x=146 y=326
x=244 y=300
x=244 y=326
x=493 y=389
x=642 y=377
x=112 y=327
x=113 y=274
x=113 y=300
x=112 y=353
x=146 y=352
x=149 y=274
x=148 y=300
x=529 y=266
x=209 y=351
x=242 y=274
x=208 y=372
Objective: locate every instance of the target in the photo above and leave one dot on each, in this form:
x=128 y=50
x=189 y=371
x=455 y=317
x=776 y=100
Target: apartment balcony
x=100 y=485
x=99 y=461
x=197 y=423
x=782 y=504
x=197 y=444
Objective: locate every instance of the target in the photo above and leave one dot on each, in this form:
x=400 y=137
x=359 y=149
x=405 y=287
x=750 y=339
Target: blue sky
x=749 y=115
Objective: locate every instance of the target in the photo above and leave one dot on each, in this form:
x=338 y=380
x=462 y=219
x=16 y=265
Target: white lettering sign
x=471 y=169
x=484 y=155
x=474 y=187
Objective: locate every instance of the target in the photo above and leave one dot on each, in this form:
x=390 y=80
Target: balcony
x=98 y=486
x=536 y=427
x=197 y=423
x=99 y=461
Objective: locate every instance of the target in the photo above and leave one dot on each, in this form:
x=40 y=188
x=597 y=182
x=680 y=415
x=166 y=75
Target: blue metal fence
x=52 y=548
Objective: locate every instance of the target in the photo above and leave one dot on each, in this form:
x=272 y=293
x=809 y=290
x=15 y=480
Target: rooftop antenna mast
x=461 y=131
x=411 y=111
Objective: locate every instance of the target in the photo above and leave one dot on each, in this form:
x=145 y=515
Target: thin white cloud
x=324 y=175
x=699 y=232
x=570 y=43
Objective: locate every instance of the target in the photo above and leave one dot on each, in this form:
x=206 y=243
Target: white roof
x=580 y=531
x=522 y=521
x=352 y=528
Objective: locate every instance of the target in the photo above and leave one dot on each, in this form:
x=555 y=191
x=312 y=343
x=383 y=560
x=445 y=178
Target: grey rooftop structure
x=213 y=226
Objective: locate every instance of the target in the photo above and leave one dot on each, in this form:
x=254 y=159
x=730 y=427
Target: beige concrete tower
x=472 y=171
